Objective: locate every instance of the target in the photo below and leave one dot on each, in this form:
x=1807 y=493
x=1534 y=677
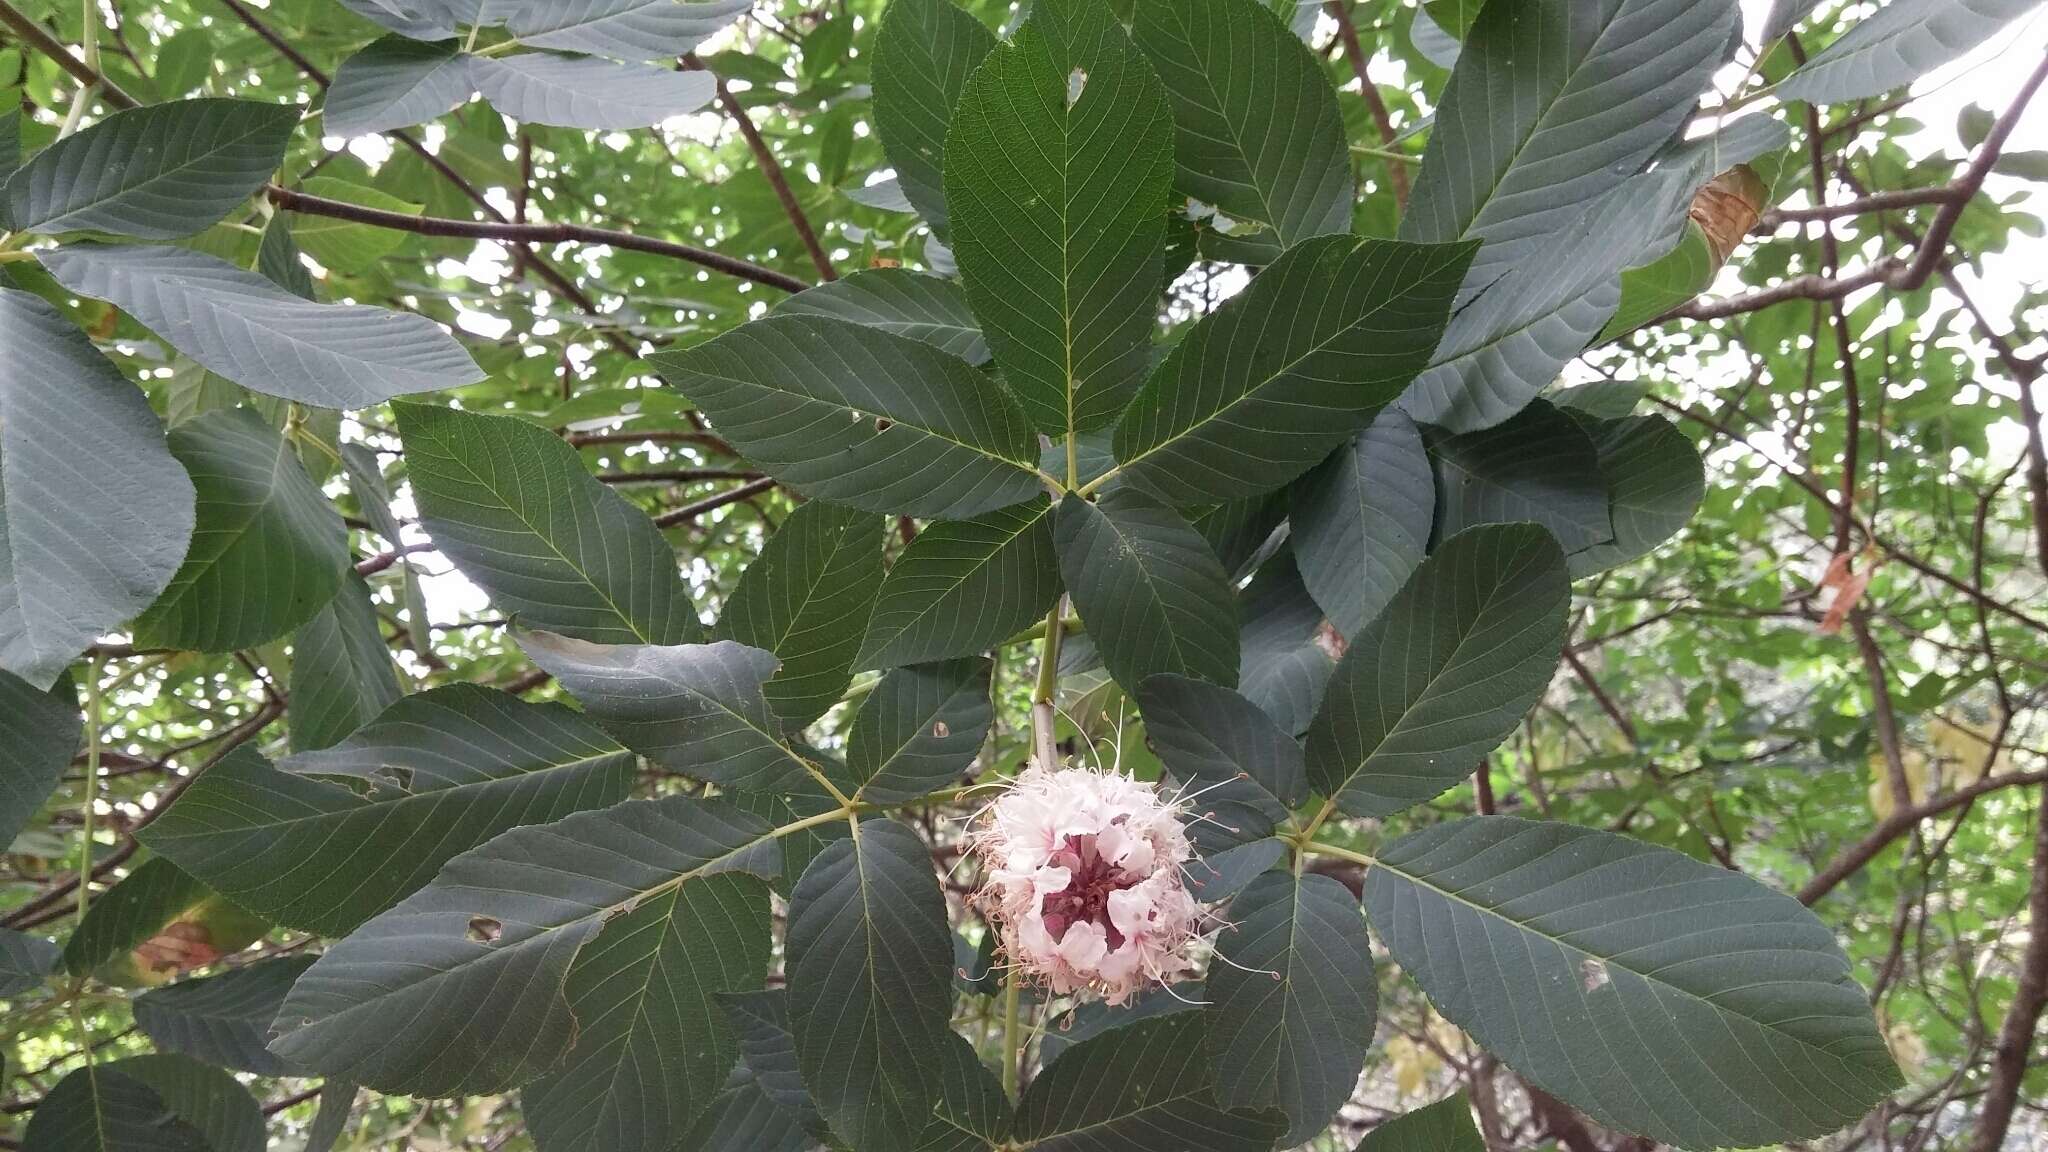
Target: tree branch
x=772 y=169
x=2016 y=1033
x=1347 y=32
x=37 y=37
x=1900 y=822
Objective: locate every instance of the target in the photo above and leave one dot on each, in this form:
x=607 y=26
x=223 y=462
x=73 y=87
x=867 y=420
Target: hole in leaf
x=485 y=930
x=941 y=730
x=1593 y=974
x=1077 y=82
x=883 y=423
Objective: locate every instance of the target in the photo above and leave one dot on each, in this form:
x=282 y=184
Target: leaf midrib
x=154 y=178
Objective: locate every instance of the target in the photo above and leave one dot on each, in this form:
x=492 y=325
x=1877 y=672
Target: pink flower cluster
x=1084 y=882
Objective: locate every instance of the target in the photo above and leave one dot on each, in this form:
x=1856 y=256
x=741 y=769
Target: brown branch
x=677 y=476
x=1607 y=704
x=1902 y=820
x=2016 y=1033
x=530 y=234
x=689 y=512
x=1347 y=32
x=772 y=169
x=1864 y=205
x=37 y=37
x=2025 y=373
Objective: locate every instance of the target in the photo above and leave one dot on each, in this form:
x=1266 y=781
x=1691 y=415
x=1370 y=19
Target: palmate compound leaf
x=1146 y=1086
x=964 y=586
x=700 y=709
x=925 y=50
x=870 y=960
x=511 y=503
x=248 y=330
x=1446 y=672
x=1898 y=44
x=807 y=598
x=862 y=417
x=435 y=774
x=1264 y=387
x=1057 y=169
x=1296 y=1042
x=268 y=551
x=919 y=729
x=460 y=989
x=158 y=172
x=64 y=411
x=586 y=92
x=1658 y=994
x=1152 y=595
x=1259 y=136
x=1247 y=772
x=223 y=1020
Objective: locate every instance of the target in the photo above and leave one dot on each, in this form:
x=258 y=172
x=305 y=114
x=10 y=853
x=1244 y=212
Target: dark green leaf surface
x=25 y=961
x=767 y=1050
x=806 y=598
x=436 y=774
x=1445 y=1126
x=1057 y=170
x=1362 y=521
x=373 y=495
x=1540 y=467
x=278 y=259
x=156 y=173
x=63 y=410
x=1898 y=44
x=269 y=550
x=627 y=29
x=474 y=964
x=964 y=586
x=972 y=1114
x=924 y=52
x=395 y=83
x=901 y=302
x=100 y=1109
x=1248 y=772
x=919 y=729
x=512 y=505
x=262 y=337
x=862 y=417
x=1259 y=136
x=1288 y=649
x=743 y=1119
x=652 y=1048
x=1656 y=993
x=337 y=1105
x=870 y=985
x=224 y=1019
x=1655 y=481
x=1092 y=1018
x=207 y=1098
x=342 y=673
x=133 y=910
x=1296 y=1043
x=586 y=92
x=1149 y=591
x=39 y=732
x=1442 y=677
x=1143 y=1086
x=1265 y=386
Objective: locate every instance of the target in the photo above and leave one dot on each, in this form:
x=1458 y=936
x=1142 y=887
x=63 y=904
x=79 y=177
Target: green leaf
x=585 y=92
x=185 y=62
x=807 y=598
x=262 y=337
x=435 y=774
x=925 y=50
x=743 y=1119
x=476 y=961
x=652 y=1048
x=1445 y=673
x=25 y=961
x=347 y=247
x=1783 y=17
x=373 y=496
x=1445 y=1126
x=767 y=1050
x=696 y=708
x=1293 y=1001
x=972 y=1114
x=1362 y=521
x=277 y=260
x=1551 y=105
x=156 y=173
x=1288 y=653
x=1057 y=171
x=269 y=549
x=342 y=674
x=138 y=907
x=1650 y=291
x=10 y=143
x=1151 y=594
x=209 y=1099
x=1539 y=467
x=870 y=962
x=1896 y=45
x=1654 y=482
x=337 y=1103
x=39 y=732
x=420 y=19
x=1248 y=773
x=1265 y=386
x=919 y=729
x=862 y=417
x=1259 y=137
x=964 y=586
x=1091 y=1018
x=899 y=301
x=627 y=29
x=223 y=1020
x=64 y=411
x=98 y=1108
x=1142 y=1086
x=512 y=505
x=1657 y=994
x=396 y=82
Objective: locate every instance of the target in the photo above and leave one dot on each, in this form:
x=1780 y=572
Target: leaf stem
x=92 y=784
x=1318 y=848
x=1012 y=1035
